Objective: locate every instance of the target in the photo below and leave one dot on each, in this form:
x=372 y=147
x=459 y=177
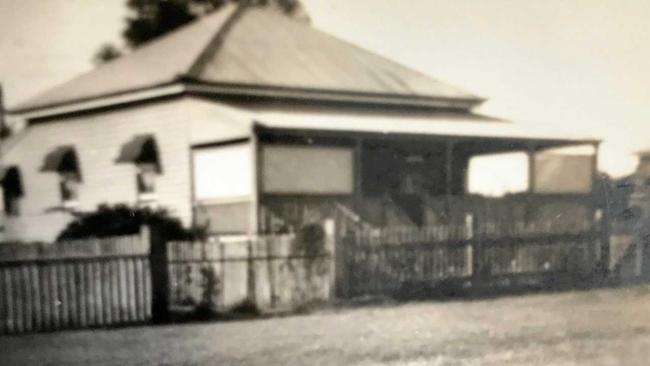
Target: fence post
x=341 y=273
x=222 y=274
x=159 y=273
x=250 y=284
x=476 y=252
x=469 y=248
x=605 y=241
x=330 y=246
x=644 y=243
x=271 y=249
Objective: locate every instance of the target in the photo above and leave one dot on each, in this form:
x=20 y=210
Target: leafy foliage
x=151 y=19
x=123 y=220
x=154 y=18
x=310 y=241
x=210 y=289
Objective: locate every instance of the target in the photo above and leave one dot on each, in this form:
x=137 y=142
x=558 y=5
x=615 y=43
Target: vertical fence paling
x=74 y=285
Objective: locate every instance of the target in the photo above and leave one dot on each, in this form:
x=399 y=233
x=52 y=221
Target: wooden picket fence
x=136 y=279
x=398 y=260
x=75 y=284
x=125 y=280
x=268 y=272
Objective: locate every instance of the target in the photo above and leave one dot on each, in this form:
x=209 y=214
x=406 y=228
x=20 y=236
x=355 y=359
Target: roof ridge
x=215 y=43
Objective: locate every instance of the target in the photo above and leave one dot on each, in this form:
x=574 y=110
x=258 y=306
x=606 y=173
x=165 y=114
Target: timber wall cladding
x=98 y=138
x=86 y=283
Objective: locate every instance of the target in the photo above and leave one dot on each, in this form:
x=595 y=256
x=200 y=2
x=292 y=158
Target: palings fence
x=630 y=255
x=269 y=272
x=75 y=284
x=104 y=282
x=386 y=262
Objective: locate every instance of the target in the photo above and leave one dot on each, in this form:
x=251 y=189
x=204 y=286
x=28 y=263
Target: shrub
x=124 y=220
x=210 y=288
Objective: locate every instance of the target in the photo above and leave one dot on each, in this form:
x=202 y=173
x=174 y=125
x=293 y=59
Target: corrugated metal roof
x=156 y=63
x=267 y=48
x=256 y=47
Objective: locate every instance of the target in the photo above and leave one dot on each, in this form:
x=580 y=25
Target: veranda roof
x=459 y=125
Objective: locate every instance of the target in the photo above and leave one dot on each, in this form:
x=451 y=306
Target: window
x=12 y=190
x=142 y=152
x=63 y=161
x=69 y=188
x=11 y=205
x=223 y=172
x=146 y=180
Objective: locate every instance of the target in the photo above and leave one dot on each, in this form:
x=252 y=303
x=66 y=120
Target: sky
x=571 y=65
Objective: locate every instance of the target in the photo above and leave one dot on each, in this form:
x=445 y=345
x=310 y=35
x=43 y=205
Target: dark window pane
x=69 y=187
x=146 y=178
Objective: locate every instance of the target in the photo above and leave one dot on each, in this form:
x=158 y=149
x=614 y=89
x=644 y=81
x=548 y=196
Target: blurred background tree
x=151 y=19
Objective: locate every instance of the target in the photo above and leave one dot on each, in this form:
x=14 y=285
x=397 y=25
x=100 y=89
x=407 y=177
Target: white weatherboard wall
x=98 y=138
x=307 y=170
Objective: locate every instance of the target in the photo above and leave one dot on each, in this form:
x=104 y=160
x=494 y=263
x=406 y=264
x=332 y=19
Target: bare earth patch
x=600 y=327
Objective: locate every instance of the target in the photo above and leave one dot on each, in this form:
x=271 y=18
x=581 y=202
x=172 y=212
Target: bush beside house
x=119 y=220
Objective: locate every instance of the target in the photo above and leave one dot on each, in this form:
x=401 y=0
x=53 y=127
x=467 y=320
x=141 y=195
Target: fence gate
x=268 y=273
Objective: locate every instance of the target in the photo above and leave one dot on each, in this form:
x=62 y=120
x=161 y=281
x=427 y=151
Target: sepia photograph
x=324 y=182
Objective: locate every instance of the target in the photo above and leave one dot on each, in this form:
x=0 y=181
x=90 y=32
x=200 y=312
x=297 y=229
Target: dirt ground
x=599 y=327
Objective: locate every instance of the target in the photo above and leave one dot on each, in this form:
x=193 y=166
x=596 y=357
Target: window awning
x=140 y=149
x=11 y=180
x=62 y=159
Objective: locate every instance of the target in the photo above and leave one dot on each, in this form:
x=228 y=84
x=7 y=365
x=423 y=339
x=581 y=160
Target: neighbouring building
x=635 y=190
x=247 y=121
